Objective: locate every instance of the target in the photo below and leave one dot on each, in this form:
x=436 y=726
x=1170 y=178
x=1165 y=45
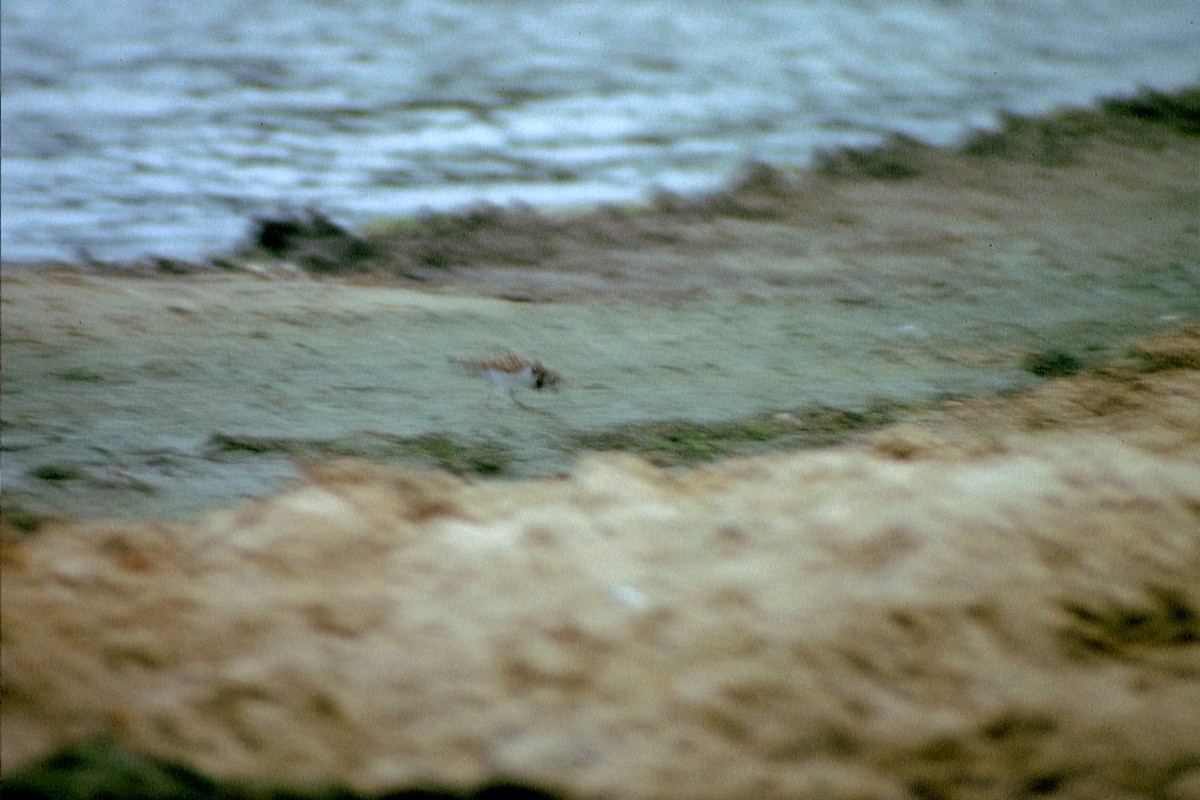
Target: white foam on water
x=142 y=127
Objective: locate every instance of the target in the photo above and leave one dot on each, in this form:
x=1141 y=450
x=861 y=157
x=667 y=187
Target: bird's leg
x=512 y=392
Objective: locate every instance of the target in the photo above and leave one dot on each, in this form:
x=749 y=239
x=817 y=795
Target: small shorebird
x=511 y=371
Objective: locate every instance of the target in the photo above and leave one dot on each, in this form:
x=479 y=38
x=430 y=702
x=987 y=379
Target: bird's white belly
x=510 y=380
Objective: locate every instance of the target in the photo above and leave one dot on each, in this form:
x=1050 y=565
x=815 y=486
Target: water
x=138 y=127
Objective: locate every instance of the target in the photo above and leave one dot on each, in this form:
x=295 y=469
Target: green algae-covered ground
x=793 y=310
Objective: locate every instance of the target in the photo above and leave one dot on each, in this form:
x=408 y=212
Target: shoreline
x=406 y=248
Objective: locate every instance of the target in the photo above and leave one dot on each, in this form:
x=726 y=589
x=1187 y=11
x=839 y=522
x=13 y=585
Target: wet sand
x=985 y=583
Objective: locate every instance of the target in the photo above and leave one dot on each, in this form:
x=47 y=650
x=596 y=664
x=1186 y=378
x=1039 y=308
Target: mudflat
x=876 y=480
x=880 y=281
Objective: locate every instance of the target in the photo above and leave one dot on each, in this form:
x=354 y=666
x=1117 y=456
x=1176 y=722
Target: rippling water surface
x=138 y=126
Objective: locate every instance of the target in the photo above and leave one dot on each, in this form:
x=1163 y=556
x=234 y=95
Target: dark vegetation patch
x=1051 y=363
x=15 y=518
x=517 y=235
x=1054 y=140
x=57 y=472
x=101 y=770
x=1170 y=352
x=79 y=375
x=1021 y=138
x=683 y=442
x=427 y=450
x=1044 y=783
x=896 y=159
x=664 y=443
x=1164 y=618
x=1176 y=111
x=314 y=242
